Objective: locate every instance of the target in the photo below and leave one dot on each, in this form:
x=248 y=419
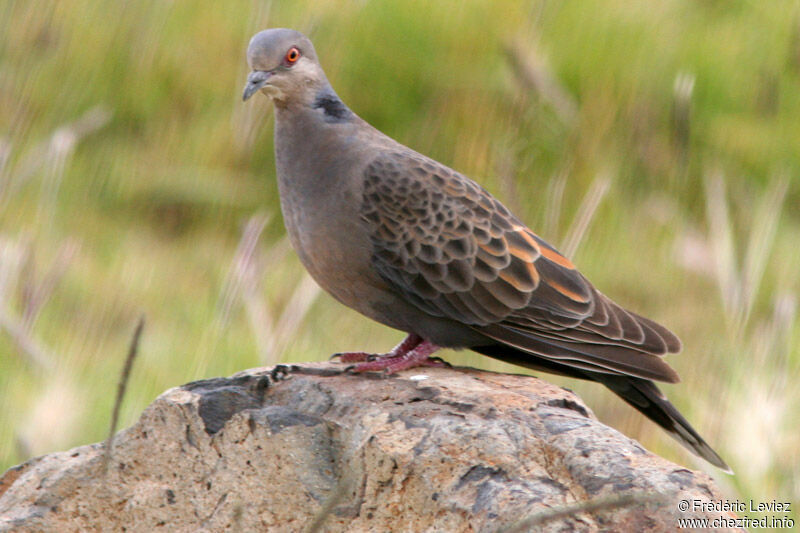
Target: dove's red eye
x=292 y=56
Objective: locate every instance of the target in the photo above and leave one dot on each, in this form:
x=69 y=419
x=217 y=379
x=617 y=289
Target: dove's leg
x=418 y=356
x=413 y=351
x=408 y=344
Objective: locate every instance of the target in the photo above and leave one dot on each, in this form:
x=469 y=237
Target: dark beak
x=255 y=81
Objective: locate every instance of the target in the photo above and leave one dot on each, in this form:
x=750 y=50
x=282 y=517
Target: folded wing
x=454 y=251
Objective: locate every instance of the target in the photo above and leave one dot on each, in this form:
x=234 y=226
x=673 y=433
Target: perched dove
x=419 y=247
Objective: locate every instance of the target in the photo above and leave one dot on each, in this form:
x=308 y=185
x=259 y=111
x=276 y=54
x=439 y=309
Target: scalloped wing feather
x=454 y=251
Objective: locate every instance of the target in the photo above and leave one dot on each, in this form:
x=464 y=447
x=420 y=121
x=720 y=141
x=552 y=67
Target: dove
x=419 y=247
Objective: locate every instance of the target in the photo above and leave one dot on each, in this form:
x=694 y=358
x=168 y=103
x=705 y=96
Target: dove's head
x=284 y=66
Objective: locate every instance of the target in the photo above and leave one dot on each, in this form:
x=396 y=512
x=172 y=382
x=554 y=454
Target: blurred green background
x=658 y=143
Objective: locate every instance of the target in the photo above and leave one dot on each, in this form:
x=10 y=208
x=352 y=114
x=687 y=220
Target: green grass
x=145 y=214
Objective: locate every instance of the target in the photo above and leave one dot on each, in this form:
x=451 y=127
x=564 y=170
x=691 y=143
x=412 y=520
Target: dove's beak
x=255 y=81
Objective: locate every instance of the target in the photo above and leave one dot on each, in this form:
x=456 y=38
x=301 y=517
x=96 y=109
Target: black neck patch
x=334 y=109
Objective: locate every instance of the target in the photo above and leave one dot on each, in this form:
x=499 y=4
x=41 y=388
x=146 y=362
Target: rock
x=309 y=448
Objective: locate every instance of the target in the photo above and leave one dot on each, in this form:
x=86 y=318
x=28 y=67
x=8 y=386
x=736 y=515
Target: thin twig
x=589 y=506
x=337 y=495
x=121 y=387
x=340 y=491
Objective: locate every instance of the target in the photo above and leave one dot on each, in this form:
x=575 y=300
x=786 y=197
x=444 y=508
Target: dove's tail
x=640 y=393
x=645 y=396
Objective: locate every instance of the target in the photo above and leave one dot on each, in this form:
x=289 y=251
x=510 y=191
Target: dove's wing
x=452 y=250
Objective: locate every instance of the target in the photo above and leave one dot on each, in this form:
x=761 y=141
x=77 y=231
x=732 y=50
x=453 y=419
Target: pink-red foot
x=412 y=352
x=409 y=343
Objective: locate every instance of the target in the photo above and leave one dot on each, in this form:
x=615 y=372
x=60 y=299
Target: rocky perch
x=308 y=448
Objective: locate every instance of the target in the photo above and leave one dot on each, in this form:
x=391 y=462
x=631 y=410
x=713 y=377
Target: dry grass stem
x=5 y=155
x=29 y=347
x=720 y=229
x=590 y=506
x=37 y=293
x=347 y=479
x=133 y=350
x=244 y=266
x=759 y=246
x=506 y=171
x=739 y=285
x=533 y=73
x=291 y=319
x=337 y=495
x=18 y=276
x=272 y=332
x=54 y=152
x=555 y=198
x=771 y=341
x=682 y=91
x=586 y=211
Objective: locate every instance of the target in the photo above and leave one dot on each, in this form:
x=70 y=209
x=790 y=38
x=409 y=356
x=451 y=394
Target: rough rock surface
x=308 y=448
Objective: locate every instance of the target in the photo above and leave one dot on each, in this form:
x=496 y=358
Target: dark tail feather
x=645 y=396
x=639 y=393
